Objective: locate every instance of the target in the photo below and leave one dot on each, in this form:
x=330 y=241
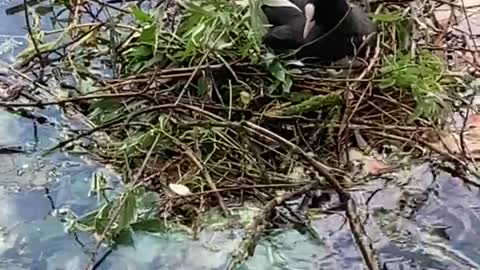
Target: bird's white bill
x=309 y=22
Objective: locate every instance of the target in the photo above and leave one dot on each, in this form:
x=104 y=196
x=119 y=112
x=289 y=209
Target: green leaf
x=278 y=71
x=87 y=85
x=149 y=35
x=152 y=61
x=140 y=15
x=150 y=225
x=87 y=222
x=287 y=85
x=199 y=10
x=257 y=19
x=203 y=85
x=127 y=213
x=105 y=104
x=220 y=44
x=386 y=83
x=99 y=221
x=142 y=51
x=124 y=238
x=197 y=31
x=388 y=17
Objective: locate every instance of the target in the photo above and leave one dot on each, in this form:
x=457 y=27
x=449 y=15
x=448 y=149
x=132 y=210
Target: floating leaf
x=150 y=225
x=124 y=238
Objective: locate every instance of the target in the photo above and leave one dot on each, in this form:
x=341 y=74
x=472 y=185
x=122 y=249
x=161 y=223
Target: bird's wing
x=281 y=3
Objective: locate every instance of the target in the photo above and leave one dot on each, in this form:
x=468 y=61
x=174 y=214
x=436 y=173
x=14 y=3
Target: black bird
x=288 y=22
x=321 y=30
x=343 y=30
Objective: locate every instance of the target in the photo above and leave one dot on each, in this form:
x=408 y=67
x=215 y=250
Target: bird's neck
x=329 y=14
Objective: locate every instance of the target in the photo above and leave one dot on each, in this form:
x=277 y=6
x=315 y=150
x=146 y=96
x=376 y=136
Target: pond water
x=432 y=222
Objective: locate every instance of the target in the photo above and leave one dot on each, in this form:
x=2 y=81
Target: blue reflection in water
x=30 y=237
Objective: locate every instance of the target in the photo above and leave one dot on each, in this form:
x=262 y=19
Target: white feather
x=280 y=3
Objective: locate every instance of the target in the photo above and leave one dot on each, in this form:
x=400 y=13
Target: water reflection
x=30 y=237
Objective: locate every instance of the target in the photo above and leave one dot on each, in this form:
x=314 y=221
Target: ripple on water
x=30 y=237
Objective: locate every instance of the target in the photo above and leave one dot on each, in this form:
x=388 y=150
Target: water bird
x=344 y=29
x=320 y=30
x=288 y=20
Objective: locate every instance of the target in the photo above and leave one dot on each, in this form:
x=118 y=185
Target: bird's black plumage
x=344 y=28
x=321 y=30
x=288 y=24
x=291 y=13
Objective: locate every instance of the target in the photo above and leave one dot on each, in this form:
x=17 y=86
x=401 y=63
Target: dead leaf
x=361 y=142
x=465 y=25
x=367 y=164
x=377 y=167
x=180 y=189
x=298 y=173
x=450 y=141
x=473 y=121
x=245 y=98
x=442 y=15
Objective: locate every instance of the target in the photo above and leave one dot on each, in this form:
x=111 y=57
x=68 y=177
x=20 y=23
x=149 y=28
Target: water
x=430 y=223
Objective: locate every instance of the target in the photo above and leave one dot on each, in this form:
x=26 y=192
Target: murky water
x=431 y=223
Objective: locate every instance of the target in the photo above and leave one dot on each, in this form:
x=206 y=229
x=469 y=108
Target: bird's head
x=323 y=12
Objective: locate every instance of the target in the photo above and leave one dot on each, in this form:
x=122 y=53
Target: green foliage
x=281 y=78
x=314 y=103
x=142 y=53
x=424 y=76
x=104 y=110
x=118 y=218
x=224 y=29
x=38 y=38
x=396 y=25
